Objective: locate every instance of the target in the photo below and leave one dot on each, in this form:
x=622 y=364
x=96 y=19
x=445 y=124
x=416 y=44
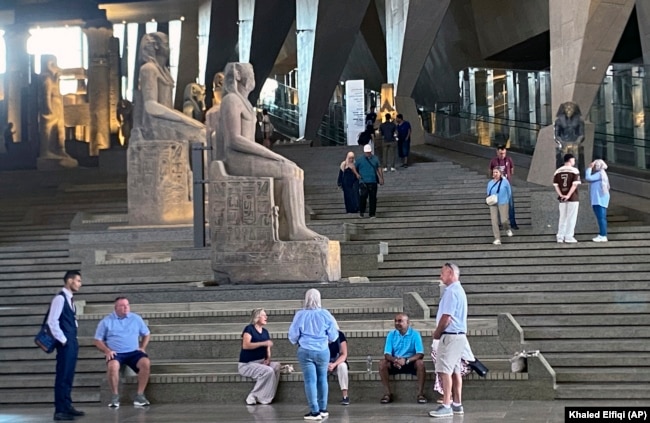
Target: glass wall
x=509 y=106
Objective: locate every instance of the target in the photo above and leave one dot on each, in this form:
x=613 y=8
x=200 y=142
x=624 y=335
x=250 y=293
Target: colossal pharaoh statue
x=159 y=175
x=242 y=156
x=51 y=117
x=257 y=214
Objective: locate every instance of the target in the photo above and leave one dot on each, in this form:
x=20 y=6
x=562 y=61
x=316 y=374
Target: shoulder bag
x=493 y=199
x=478 y=367
x=44 y=338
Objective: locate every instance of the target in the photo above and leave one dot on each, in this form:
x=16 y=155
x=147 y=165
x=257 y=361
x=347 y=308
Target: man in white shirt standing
x=62 y=320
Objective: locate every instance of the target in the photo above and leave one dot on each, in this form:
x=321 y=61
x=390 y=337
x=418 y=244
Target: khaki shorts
x=450 y=350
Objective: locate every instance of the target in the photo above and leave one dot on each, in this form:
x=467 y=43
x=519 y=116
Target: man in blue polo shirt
x=403 y=353
x=451 y=330
x=123 y=338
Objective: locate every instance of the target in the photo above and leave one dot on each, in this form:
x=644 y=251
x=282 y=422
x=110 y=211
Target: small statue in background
x=194 y=101
x=212 y=115
x=51 y=118
x=125 y=117
x=569 y=132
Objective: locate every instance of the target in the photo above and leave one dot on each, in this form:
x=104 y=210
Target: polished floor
x=475 y=412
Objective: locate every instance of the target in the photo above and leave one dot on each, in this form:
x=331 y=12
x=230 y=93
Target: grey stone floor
x=475 y=412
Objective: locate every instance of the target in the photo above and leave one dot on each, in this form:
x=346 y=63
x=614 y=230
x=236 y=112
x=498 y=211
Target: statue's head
x=569 y=109
x=239 y=77
x=217 y=81
x=49 y=65
x=194 y=91
x=154 y=45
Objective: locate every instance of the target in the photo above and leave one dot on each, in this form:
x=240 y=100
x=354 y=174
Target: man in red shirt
x=507 y=167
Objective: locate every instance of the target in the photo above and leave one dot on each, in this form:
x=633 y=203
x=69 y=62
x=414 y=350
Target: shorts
x=406 y=369
x=450 y=351
x=130 y=358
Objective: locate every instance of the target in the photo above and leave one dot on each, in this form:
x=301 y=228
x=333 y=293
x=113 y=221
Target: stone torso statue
x=193 y=103
x=154 y=115
x=51 y=117
x=242 y=156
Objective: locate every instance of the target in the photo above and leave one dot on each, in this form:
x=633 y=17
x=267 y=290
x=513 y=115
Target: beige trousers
x=496 y=211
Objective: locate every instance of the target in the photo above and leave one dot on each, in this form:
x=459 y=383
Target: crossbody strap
x=48 y=310
x=498 y=188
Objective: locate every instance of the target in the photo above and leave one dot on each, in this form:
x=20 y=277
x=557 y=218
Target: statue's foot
x=306 y=234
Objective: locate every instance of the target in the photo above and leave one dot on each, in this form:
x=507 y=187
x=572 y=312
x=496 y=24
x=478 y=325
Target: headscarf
x=344 y=163
x=601 y=166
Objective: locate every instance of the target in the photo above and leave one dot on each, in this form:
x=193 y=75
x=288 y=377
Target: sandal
x=386 y=399
x=422 y=399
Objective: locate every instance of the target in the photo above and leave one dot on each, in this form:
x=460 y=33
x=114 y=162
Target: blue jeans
x=314 y=370
x=601 y=218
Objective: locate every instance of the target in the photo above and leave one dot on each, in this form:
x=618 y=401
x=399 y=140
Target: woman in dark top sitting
x=255 y=360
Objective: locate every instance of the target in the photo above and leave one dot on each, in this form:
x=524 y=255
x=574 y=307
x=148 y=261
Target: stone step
x=599 y=391
x=534 y=334
x=515 y=252
x=603 y=374
x=586 y=321
x=544 y=310
x=44 y=395
x=604 y=359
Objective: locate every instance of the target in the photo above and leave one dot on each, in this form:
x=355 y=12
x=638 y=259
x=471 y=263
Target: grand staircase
x=587 y=315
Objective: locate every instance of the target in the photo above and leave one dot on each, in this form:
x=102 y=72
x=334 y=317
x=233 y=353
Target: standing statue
x=154 y=114
x=194 y=101
x=212 y=115
x=242 y=156
x=51 y=118
x=569 y=132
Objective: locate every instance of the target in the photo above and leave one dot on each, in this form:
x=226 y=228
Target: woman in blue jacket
x=500 y=187
x=599 y=193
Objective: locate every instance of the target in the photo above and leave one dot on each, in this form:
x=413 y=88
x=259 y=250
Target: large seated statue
x=159 y=174
x=244 y=157
x=257 y=215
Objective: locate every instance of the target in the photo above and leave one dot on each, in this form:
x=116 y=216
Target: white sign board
x=355 y=110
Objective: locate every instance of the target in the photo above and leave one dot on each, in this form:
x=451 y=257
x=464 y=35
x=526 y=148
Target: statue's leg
x=292 y=197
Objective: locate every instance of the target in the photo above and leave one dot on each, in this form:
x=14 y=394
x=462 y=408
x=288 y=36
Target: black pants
x=372 y=193
x=66 y=361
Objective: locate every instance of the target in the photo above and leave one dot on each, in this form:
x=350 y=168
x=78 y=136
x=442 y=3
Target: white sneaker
x=385 y=169
x=560 y=240
x=600 y=239
x=570 y=240
x=497 y=242
x=392 y=169
x=509 y=232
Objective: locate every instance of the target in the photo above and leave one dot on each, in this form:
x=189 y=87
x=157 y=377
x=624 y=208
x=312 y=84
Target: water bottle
x=369 y=364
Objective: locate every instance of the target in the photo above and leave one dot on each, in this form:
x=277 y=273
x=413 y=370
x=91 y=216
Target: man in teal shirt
x=369 y=173
x=403 y=353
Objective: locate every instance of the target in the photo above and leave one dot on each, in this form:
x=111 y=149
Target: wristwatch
x=407 y=361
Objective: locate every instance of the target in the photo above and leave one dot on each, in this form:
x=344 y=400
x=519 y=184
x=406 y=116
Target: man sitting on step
x=123 y=338
x=403 y=353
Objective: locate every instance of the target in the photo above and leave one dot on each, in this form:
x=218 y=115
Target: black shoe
x=515 y=227
x=63 y=416
x=74 y=412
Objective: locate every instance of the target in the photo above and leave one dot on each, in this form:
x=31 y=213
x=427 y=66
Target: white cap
x=367 y=148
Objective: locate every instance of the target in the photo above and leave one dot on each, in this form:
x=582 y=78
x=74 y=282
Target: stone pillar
x=16 y=77
x=245 y=21
x=411 y=27
x=306 y=19
x=584 y=36
x=643 y=19
x=99 y=34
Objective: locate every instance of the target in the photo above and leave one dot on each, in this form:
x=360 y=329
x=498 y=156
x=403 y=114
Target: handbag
x=519 y=361
x=478 y=367
x=493 y=199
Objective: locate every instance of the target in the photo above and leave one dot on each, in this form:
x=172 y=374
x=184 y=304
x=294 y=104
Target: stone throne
x=256 y=203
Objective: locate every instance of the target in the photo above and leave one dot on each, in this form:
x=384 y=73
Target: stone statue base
x=542 y=166
x=56 y=163
x=159 y=182
x=244 y=236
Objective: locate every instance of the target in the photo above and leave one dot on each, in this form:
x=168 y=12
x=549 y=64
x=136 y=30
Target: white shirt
x=56 y=307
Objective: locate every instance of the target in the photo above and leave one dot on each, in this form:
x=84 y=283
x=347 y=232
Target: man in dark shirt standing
x=403 y=139
x=62 y=320
x=369 y=172
x=565 y=181
x=507 y=167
